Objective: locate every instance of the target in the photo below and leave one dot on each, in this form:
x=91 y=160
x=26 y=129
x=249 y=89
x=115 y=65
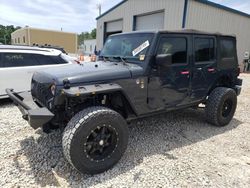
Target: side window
x=61 y=59
x=1 y=61
x=204 y=49
x=45 y=60
x=175 y=46
x=50 y=60
x=18 y=60
x=227 y=48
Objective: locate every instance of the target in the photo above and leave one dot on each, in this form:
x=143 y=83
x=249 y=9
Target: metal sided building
x=134 y=15
x=89 y=46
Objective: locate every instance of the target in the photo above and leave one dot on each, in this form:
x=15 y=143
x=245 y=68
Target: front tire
x=95 y=139
x=221 y=106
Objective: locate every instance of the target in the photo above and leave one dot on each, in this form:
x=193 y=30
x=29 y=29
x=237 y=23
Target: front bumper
x=35 y=115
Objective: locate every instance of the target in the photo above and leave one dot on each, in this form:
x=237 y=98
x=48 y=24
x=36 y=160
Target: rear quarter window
x=227 y=48
x=18 y=60
x=50 y=60
x=228 y=54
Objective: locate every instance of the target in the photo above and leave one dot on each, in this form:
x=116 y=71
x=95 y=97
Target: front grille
x=41 y=92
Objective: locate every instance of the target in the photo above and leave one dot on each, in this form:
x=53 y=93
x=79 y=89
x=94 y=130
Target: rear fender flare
x=222 y=81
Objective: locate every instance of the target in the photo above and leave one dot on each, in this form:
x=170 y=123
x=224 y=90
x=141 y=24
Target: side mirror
x=163 y=59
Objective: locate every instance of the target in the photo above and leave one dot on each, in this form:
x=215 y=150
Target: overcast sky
x=70 y=15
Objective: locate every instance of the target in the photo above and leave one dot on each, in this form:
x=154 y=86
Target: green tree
x=93 y=34
x=5 y=33
x=81 y=38
x=86 y=35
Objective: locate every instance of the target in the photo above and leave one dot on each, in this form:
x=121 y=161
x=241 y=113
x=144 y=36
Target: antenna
x=99 y=7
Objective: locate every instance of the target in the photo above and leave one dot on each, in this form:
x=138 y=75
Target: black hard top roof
x=184 y=31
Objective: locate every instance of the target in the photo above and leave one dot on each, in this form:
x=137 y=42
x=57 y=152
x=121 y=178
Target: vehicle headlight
x=53 y=89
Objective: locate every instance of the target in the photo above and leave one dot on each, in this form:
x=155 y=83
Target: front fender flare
x=95 y=89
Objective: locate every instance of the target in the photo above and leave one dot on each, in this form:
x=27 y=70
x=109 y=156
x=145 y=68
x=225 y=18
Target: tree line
x=86 y=36
x=5 y=33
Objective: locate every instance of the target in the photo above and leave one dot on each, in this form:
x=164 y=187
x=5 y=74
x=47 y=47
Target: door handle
x=185 y=72
x=211 y=69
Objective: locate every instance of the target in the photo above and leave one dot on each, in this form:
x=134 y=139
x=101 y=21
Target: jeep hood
x=91 y=72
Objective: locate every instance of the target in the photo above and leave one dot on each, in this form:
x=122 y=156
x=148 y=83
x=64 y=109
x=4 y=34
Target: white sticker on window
x=140 y=48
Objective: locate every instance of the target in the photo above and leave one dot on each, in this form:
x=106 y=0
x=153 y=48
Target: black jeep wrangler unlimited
x=138 y=74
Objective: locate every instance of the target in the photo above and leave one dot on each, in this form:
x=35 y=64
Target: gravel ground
x=176 y=149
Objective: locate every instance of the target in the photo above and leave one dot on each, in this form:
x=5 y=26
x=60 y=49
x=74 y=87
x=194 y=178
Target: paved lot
x=171 y=150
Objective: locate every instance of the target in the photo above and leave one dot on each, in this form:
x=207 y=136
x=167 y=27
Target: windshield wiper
x=104 y=58
x=109 y=58
x=123 y=59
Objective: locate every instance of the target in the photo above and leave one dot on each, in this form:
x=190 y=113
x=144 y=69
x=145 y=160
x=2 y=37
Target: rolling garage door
x=112 y=27
x=152 y=21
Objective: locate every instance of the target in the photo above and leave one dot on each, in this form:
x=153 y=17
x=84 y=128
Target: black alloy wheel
x=227 y=108
x=101 y=143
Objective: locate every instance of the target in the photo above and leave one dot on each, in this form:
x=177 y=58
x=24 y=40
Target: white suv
x=18 y=63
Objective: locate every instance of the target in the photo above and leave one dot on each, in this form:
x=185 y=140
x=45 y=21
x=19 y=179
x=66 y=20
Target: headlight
x=53 y=89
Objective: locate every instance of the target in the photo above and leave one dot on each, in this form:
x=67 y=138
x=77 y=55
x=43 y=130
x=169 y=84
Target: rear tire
x=221 y=106
x=95 y=140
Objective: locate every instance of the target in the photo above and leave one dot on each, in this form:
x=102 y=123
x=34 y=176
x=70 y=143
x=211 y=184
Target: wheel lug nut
x=101 y=142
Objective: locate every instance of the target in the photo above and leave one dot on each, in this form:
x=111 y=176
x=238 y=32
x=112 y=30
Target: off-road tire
x=77 y=131
x=48 y=127
x=215 y=106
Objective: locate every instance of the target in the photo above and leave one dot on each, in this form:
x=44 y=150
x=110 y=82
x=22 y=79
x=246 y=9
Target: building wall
x=129 y=9
x=89 y=46
x=55 y=38
x=20 y=37
x=207 y=18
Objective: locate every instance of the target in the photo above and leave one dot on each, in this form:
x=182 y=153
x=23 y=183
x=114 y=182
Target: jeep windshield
x=127 y=47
